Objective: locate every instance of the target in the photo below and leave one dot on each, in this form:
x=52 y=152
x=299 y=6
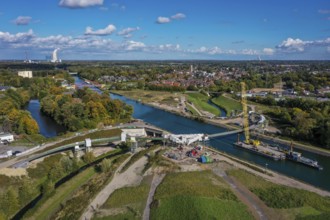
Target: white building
x=25 y=74
x=6 y=137
x=133 y=133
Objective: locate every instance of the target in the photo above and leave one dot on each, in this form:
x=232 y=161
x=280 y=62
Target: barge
x=261 y=150
x=296 y=157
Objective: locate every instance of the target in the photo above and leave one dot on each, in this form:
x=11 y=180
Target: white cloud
x=178 y=16
x=101 y=32
x=6 y=37
x=103 y=46
x=127 y=32
x=268 y=51
x=215 y=50
x=291 y=44
x=80 y=3
x=249 y=52
x=22 y=20
x=298 y=45
x=210 y=51
x=133 y=45
x=163 y=20
x=169 y=47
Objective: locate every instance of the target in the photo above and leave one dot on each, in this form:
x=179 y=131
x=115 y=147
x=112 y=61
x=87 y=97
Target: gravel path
x=158 y=178
x=244 y=195
x=193 y=106
x=132 y=176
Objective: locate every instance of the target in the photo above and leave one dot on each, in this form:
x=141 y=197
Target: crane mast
x=245 y=114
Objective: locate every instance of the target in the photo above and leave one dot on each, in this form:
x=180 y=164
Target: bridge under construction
x=149 y=133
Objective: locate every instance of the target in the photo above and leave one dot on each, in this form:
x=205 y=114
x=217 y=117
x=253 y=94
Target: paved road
x=244 y=195
x=158 y=178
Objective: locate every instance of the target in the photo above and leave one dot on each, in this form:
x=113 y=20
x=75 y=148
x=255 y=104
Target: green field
x=227 y=104
x=152 y=96
x=289 y=203
x=192 y=110
x=196 y=195
x=201 y=102
x=128 y=202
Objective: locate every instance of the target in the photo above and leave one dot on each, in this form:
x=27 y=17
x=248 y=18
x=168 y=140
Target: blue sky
x=165 y=29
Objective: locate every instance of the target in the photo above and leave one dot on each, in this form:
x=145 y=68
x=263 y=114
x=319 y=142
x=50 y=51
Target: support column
x=88 y=144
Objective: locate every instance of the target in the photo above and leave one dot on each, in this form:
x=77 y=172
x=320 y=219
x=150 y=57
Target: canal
x=181 y=125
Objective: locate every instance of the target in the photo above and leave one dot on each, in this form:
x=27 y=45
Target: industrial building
x=6 y=137
x=25 y=74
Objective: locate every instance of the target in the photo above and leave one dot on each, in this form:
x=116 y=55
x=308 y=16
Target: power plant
x=54 y=56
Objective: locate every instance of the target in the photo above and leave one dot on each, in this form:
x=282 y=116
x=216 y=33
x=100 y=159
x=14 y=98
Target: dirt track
x=132 y=176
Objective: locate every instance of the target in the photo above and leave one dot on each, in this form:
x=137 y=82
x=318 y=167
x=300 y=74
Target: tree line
x=302 y=119
x=85 y=109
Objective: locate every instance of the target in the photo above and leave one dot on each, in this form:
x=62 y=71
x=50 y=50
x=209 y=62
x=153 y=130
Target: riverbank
x=179 y=112
x=222 y=124
x=267 y=174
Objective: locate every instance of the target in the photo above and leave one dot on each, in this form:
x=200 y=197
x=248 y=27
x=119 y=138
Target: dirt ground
x=13 y=171
x=101 y=150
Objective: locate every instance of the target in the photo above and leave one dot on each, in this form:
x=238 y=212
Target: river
x=47 y=126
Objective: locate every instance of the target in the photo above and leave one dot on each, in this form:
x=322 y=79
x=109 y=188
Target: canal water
x=181 y=125
x=47 y=126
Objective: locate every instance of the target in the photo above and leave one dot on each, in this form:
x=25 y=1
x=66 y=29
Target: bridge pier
x=88 y=144
x=134 y=146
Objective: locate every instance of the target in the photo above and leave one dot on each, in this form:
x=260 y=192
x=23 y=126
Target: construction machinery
x=246 y=117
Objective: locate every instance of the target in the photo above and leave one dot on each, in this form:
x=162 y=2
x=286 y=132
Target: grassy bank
x=288 y=202
x=201 y=102
x=128 y=202
x=74 y=206
x=192 y=110
x=229 y=105
x=62 y=193
x=147 y=96
x=201 y=195
x=94 y=135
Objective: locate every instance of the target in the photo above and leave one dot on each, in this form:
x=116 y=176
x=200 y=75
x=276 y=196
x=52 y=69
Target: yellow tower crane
x=245 y=114
x=246 y=117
